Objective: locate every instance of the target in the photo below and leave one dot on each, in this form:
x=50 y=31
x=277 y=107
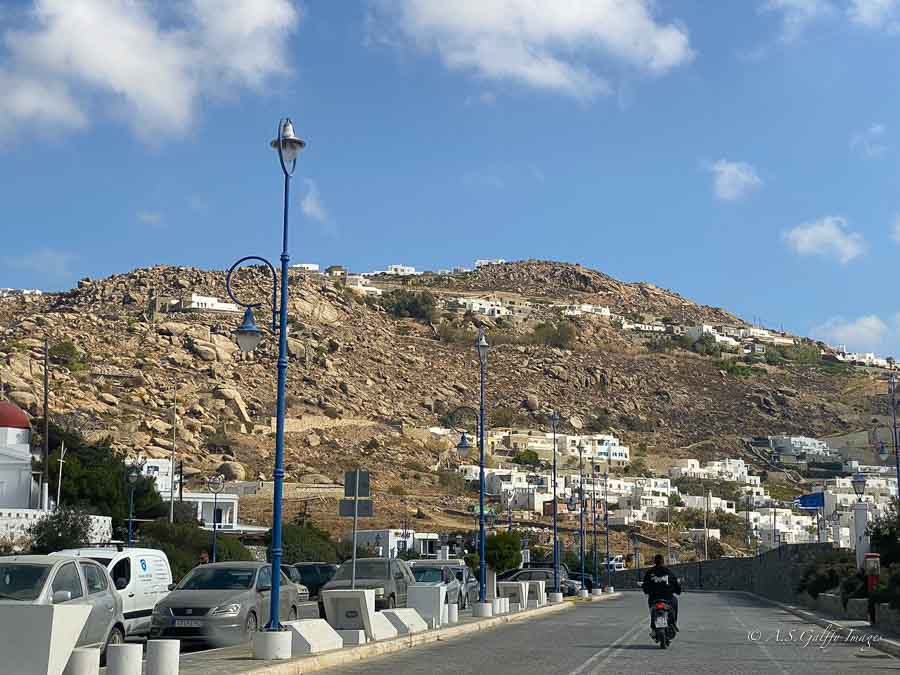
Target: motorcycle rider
x=660 y=583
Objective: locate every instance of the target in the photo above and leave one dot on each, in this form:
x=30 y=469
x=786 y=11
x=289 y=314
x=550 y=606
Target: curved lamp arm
x=253 y=305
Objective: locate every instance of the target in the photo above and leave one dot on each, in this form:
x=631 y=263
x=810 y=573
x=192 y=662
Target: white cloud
x=869 y=143
x=312 y=204
x=733 y=180
x=544 y=45
x=149 y=217
x=865 y=332
x=797 y=15
x=46 y=262
x=827 y=237
x=874 y=13
x=43 y=107
x=149 y=63
x=895 y=230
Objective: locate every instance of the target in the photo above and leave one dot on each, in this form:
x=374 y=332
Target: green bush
x=183 y=542
x=452 y=482
x=64 y=528
x=303 y=543
x=66 y=354
x=599 y=422
x=562 y=335
x=827 y=572
x=502 y=551
x=527 y=458
x=405 y=304
x=503 y=416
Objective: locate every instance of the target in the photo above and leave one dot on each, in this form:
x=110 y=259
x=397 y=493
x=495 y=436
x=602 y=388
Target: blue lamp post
x=132 y=475
x=581 y=504
x=594 y=516
x=554 y=423
x=215 y=484
x=481 y=346
x=895 y=439
x=249 y=334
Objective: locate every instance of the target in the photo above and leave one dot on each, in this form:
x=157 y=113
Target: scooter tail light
x=660 y=605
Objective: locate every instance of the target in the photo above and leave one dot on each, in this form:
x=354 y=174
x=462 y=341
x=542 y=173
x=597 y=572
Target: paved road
x=613 y=637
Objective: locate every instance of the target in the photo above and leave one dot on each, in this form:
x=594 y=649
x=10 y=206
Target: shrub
x=827 y=572
x=501 y=551
x=599 y=422
x=183 y=542
x=503 y=417
x=305 y=543
x=410 y=304
x=527 y=458
x=452 y=482
x=66 y=354
x=64 y=528
x=562 y=335
x=660 y=345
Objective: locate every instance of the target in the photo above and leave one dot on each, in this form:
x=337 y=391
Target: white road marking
x=610 y=649
x=759 y=644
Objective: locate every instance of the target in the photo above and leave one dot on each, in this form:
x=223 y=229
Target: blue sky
x=741 y=153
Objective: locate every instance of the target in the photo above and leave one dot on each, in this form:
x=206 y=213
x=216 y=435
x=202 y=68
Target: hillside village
x=657 y=391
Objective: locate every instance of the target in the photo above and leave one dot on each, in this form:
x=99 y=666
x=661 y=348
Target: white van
x=141 y=576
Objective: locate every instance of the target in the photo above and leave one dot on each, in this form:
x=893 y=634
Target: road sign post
x=357 y=503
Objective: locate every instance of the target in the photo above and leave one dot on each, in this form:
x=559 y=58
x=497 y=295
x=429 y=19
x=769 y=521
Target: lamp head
x=463 y=446
x=882 y=452
x=554 y=418
x=248 y=333
x=859 y=484
x=481 y=345
x=290 y=144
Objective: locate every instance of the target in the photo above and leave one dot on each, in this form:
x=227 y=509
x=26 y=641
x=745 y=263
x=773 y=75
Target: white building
x=728 y=469
x=483 y=263
x=714 y=503
x=306 y=267
x=393 y=543
x=401 y=270
x=800 y=445
x=9 y=292
x=485 y=306
x=360 y=284
x=697 y=332
x=15 y=458
x=206 y=303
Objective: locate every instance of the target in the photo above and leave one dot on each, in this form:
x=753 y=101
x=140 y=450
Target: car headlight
x=227 y=610
x=379 y=592
x=161 y=614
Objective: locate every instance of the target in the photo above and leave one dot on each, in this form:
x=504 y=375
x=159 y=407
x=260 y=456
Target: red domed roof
x=13 y=417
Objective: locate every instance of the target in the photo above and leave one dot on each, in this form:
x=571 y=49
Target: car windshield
x=218 y=578
x=427 y=574
x=365 y=569
x=21 y=581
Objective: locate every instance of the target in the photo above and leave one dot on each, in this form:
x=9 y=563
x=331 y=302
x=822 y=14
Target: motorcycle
x=661 y=629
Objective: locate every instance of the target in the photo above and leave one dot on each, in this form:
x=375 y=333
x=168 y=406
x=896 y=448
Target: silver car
x=388 y=577
x=63 y=580
x=440 y=574
x=222 y=603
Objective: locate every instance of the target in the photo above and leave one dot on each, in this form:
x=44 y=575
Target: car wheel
x=251 y=625
x=116 y=637
x=292 y=615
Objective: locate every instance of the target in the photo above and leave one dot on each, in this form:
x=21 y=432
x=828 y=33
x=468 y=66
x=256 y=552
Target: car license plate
x=661 y=621
x=188 y=623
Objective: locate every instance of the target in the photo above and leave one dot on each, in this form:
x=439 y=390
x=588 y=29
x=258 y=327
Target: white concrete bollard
x=482 y=610
x=514 y=607
x=453 y=613
x=83 y=661
x=597 y=592
x=583 y=594
x=163 y=657
x=506 y=605
x=608 y=589
x=496 y=607
x=556 y=598
x=124 y=659
x=272 y=645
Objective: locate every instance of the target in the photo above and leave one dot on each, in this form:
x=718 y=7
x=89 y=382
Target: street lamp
x=132 y=475
x=594 y=515
x=859 y=485
x=215 y=484
x=248 y=336
x=554 y=422
x=606 y=518
x=895 y=438
x=481 y=346
x=581 y=503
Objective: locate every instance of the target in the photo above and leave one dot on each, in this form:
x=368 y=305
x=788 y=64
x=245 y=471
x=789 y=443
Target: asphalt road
x=720 y=633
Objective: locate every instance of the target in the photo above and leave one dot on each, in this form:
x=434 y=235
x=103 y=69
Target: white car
x=141 y=576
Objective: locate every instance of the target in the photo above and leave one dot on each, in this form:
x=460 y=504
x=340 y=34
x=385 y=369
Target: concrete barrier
x=38 y=639
x=428 y=601
x=597 y=592
x=124 y=659
x=829 y=603
x=537 y=594
x=858 y=609
x=555 y=598
x=312 y=636
x=482 y=610
x=407 y=621
x=514 y=591
x=271 y=645
x=83 y=661
x=382 y=628
x=163 y=657
x=350 y=610
x=353 y=638
x=453 y=614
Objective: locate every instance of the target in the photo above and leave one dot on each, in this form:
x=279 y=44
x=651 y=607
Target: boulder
x=108 y=399
x=172 y=328
x=532 y=403
x=23 y=399
x=232 y=471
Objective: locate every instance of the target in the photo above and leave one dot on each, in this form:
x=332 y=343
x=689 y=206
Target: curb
x=309 y=664
x=595 y=598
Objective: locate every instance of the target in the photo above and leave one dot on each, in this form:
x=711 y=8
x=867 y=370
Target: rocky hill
x=363 y=385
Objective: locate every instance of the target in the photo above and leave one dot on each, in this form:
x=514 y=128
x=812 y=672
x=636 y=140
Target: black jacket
x=661 y=582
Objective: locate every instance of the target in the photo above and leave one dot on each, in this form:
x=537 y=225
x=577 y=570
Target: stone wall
x=775 y=574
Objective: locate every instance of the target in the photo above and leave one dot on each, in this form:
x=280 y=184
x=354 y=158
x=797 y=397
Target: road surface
x=720 y=633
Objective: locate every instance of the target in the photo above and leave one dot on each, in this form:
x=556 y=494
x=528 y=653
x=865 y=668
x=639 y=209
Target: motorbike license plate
x=661 y=622
x=188 y=623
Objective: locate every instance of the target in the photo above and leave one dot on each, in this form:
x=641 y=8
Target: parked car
x=439 y=574
x=222 y=603
x=314 y=575
x=567 y=586
x=141 y=577
x=66 y=580
x=388 y=577
x=586 y=580
x=291 y=573
x=468 y=584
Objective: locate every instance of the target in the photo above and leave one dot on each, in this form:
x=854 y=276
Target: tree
x=675 y=500
x=64 y=528
x=410 y=304
x=527 y=458
x=305 y=542
x=183 y=542
x=501 y=551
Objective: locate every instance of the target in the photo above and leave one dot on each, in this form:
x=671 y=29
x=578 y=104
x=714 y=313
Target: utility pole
x=668 y=531
x=45 y=498
x=172 y=462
